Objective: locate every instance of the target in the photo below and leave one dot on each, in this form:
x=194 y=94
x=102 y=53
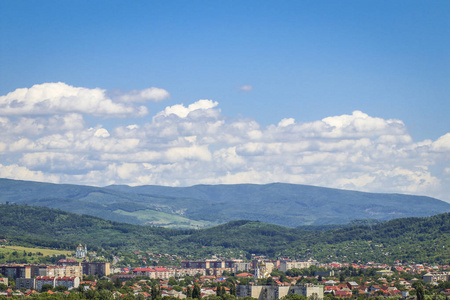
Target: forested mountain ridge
x=207 y=205
x=408 y=239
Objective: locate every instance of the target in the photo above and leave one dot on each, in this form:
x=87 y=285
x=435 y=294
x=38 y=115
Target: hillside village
x=86 y=276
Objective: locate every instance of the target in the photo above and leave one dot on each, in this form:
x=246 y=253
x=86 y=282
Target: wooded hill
x=409 y=239
x=203 y=206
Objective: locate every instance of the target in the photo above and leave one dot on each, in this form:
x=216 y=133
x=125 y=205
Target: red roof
x=45 y=278
x=161 y=270
x=66 y=278
x=342 y=294
x=143 y=270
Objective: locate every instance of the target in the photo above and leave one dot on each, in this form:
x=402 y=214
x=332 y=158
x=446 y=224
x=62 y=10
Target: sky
x=342 y=94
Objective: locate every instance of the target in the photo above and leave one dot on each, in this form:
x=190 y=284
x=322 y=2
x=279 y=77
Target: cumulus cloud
x=57 y=98
x=442 y=144
x=195 y=143
x=286 y=122
x=15 y=171
x=181 y=111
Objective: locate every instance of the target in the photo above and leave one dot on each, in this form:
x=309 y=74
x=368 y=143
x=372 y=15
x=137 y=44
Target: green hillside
x=96 y=201
x=208 y=205
x=293 y=205
x=409 y=239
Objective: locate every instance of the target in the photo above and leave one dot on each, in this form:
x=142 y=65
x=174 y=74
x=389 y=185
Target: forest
x=417 y=240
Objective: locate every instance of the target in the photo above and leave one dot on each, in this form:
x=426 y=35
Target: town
x=86 y=276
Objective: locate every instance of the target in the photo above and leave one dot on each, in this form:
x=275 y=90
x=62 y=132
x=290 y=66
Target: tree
x=188 y=292
x=172 y=281
x=118 y=282
x=155 y=292
x=420 y=292
x=61 y=288
x=219 y=291
x=270 y=281
x=233 y=289
x=196 y=292
x=105 y=295
x=46 y=288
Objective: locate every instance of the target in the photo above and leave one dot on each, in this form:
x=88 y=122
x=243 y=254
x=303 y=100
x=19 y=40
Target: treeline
x=408 y=239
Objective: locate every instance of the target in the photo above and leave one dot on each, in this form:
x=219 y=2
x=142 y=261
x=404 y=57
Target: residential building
x=385 y=273
x=189 y=272
x=436 y=276
x=277 y=292
x=69 y=282
x=4 y=280
x=241 y=266
x=292 y=264
x=68 y=262
x=209 y=264
x=327 y=273
x=40 y=281
x=96 y=268
x=26 y=283
x=64 y=271
x=19 y=271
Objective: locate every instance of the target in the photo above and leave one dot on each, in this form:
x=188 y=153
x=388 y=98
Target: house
x=342 y=294
x=374 y=288
x=330 y=289
x=384 y=273
x=352 y=285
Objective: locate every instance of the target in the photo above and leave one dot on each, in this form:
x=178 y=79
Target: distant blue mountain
x=205 y=205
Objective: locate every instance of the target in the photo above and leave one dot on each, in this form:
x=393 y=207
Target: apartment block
x=292 y=264
x=96 y=268
x=277 y=292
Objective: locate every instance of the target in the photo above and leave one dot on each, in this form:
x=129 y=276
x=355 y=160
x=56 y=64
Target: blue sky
x=260 y=61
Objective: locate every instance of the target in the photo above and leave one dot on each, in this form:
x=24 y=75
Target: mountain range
x=201 y=206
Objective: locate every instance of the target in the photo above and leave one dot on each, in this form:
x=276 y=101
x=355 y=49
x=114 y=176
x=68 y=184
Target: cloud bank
x=45 y=136
x=60 y=98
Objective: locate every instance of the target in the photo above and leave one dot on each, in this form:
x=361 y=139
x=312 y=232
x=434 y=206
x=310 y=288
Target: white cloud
x=186 y=145
x=15 y=171
x=151 y=94
x=102 y=132
x=181 y=111
x=57 y=98
x=442 y=144
x=286 y=122
x=245 y=87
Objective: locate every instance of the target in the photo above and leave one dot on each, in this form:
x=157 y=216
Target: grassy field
x=45 y=252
